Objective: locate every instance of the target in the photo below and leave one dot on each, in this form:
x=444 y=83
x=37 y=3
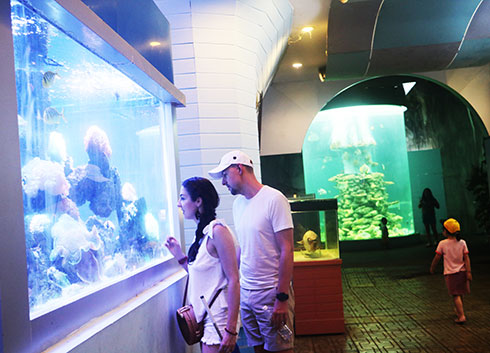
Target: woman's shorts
x=220 y=314
x=457 y=283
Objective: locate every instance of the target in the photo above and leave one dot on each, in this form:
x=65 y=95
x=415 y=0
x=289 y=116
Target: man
x=264 y=227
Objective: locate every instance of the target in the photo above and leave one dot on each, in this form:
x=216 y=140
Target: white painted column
x=224 y=54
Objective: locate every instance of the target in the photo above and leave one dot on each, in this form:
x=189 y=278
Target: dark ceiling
x=378 y=37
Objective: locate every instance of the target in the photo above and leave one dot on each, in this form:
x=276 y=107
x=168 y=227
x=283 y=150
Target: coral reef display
x=363 y=201
x=62 y=249
x=82 y=227
x=364 y=165
x=97 y=182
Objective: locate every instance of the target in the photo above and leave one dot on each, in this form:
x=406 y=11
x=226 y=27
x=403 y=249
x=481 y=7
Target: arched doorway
x=443 y=145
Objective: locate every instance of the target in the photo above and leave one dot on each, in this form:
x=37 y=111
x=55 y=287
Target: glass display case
x=358 y=155
x=317 y=267
x=95 y=172
x=315 y=229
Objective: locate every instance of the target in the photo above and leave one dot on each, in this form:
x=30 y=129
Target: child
x=384 y=232
x=457 y=270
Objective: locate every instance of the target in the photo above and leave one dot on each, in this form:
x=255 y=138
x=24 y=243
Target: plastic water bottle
x=284 y=331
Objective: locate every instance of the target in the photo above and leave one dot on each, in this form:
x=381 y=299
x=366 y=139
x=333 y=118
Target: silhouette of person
x=383 y=225
x=428 y=204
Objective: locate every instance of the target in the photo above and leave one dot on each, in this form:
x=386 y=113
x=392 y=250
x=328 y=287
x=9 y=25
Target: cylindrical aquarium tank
x=358 y=155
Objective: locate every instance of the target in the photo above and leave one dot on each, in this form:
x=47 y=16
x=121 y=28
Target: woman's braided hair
x=203 y=188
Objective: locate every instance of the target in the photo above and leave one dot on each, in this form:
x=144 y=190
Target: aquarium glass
x=96 y=205
x=315 y=229
x=358 y=155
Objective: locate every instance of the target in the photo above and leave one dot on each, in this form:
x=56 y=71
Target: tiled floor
x=392 y=304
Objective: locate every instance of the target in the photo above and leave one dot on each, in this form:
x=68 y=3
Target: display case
x=317 y=279
x=97 y=164
x=315 y=229
x=88 y=167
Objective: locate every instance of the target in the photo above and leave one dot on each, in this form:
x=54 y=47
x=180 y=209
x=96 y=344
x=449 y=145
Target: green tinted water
x=358 y=155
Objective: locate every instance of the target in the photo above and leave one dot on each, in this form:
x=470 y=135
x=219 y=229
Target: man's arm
x=284 y=240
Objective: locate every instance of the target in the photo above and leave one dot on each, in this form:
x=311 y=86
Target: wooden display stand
x=318 y=296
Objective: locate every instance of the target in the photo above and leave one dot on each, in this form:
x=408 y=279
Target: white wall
x=14 y=298
x=146 y=327
x=473 y=84
x=224 y=53
x=289 y=108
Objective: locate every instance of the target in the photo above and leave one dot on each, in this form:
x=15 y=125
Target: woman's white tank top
x=206 y=276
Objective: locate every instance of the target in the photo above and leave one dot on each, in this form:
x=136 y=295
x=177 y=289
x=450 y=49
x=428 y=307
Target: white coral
x=97 y=138
x=71 y=237
x=39 y=223
x=39 y=174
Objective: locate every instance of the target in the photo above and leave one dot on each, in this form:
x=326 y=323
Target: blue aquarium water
x=358 y=155
x=96 y=203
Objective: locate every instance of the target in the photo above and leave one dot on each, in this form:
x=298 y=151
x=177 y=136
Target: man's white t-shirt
x=256 y=220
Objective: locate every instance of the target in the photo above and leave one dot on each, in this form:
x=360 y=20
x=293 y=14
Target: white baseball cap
x=233 y=157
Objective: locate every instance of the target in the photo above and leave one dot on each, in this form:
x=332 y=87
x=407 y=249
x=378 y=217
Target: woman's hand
x=173 y=246
x=228 y=343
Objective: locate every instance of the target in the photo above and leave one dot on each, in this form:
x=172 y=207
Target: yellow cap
x=452 y=225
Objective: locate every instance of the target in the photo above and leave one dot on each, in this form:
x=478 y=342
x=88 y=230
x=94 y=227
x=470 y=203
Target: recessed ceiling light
x=343 y=1
x=297 y=65
x=155 y=44
x=407 y=86
x=307 y=29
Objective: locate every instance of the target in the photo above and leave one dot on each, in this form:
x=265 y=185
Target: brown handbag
x=192 y=331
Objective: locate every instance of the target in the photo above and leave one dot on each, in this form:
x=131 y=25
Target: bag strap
x=210 y=303
x=215 y=296
x=185 y=292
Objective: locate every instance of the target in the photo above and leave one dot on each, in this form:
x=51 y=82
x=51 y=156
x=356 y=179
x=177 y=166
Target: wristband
x=231 y=333
x=282 y=297
x=183 y=260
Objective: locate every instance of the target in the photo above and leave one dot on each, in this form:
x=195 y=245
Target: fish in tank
x=93 y=169
x=315 y=229
x=358 y=155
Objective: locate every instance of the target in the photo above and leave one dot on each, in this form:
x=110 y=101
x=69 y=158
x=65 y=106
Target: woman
x=428 y=204
x=211 y=263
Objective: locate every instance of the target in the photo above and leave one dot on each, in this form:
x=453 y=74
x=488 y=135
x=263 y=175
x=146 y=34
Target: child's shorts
x=457 y=284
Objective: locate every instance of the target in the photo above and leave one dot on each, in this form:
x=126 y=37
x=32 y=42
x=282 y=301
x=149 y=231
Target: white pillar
x=224 y=54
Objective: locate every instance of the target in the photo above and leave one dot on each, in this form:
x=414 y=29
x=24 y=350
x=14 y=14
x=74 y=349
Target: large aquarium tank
x=316 y=234
x=94 y=173
x=358 y=156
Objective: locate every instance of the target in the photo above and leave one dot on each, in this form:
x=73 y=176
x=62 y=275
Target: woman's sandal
x=460 y=322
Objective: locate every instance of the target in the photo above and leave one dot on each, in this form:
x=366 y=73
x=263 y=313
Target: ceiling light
x=322 y=73
x=155 y=44
x=307 y=29
x=297 y=65
x=407 y=86
x=343 y=1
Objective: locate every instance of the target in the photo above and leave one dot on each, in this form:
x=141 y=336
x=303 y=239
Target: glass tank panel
x=358 y=155
x=315 y=229
x=96 y=202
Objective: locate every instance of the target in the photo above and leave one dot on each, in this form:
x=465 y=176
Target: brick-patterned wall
x=224 y=53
